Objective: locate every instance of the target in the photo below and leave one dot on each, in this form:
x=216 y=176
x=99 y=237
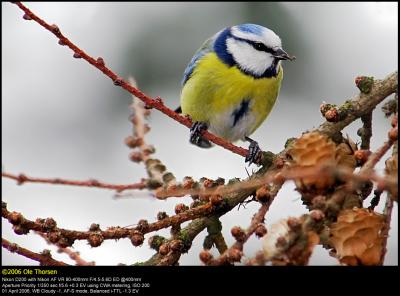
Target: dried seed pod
x=357 y=237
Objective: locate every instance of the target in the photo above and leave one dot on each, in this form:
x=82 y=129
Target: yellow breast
x=216 y=90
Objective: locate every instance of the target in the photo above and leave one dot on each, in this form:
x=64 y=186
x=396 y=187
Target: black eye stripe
x=260 y=46
x=256 y=45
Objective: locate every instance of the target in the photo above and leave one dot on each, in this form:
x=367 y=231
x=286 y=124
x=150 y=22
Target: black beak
x=280 y=54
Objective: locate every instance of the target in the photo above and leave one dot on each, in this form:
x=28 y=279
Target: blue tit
x=231 y=84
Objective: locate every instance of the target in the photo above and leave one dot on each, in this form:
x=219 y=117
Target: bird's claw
x=196 y=137
x=255 y=152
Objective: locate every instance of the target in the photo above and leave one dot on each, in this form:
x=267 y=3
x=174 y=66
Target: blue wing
x=208 y=46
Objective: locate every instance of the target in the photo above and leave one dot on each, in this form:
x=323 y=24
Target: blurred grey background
x=63 y=118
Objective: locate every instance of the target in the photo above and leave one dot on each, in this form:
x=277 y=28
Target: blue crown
x=251 y=28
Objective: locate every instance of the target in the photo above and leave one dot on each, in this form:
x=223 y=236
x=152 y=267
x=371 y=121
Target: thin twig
x=71 y=254
x=22 y=178
x=366 y=133
x=24 y=225
x=150 y=102
x=44 y=259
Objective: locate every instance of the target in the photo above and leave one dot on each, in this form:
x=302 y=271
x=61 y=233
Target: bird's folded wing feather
x=208 y=46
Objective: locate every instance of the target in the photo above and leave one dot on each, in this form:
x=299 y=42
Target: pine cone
x=310 y=150
x=357 y=238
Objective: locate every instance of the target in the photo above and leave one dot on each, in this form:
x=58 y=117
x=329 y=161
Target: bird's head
x=254 y=49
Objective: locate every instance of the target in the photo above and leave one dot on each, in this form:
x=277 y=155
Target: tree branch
x=22 y=178
x=44 y=258
x=150 y=102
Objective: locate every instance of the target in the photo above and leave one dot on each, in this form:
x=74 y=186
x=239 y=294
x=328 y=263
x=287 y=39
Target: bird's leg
x=254 y=154
x=195 y=134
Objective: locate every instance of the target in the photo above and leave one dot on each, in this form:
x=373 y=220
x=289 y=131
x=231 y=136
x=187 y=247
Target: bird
x=231 y=84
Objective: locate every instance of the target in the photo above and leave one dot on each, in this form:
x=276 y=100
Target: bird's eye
x=259 y=46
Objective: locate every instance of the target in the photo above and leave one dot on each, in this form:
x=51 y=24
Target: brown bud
x=77 y=55
x=180 y=208
x=164 y=249
x=318 y=202
x=324 y=108
x=332 y=115
x=50 y=223
x=46 y=253
x=118 y=81
x=188 y=182
x=137 y=239
x=18 y=229
x=143 y=225
x=393 y=134
x=262 y=194
x=234 y=255
x=176 y=245
x=64 y=242
x=147 y=128
x=27 y=17
x=135 y=156
x=208 y=183
x=54 y=236
x=161 y=215
x=61 y=42
x=281 y=242
x=55 y=29
x=279 y=162
x=238 y=233
x=317 y=215
x=95 y=239
x=133 y=142
x=15 y=218
x=361 y=156
x=364 y=83
x=261 y=230
x=294 y=223
x=205 y=256
x=394 y=120
x=21 y=179
x=158 y=100
x=216 y=200
x=100 y=61
x=94 y=227
x=13 y=248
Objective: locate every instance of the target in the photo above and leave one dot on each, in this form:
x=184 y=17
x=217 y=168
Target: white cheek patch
x=248 y=58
